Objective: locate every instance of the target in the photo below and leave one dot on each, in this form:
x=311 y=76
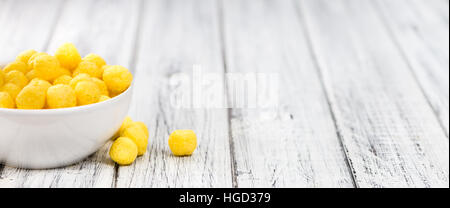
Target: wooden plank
x=422 y=34
x=107 y=28
x=175 y=35
x=389 y=131
x=295 y=143
x=20 y=31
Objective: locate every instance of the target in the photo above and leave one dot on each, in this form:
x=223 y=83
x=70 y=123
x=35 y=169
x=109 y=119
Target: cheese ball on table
x=68 y=56
x=117 y=78
x=138 y=135
x=123 y=151
x=6 y=101
x=126 y=122
x=143 y=127
x=183 y=142
x=87 y=93
x=61 y=96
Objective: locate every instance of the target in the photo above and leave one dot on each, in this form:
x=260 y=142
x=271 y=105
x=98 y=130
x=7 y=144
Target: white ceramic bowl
x=40 y=139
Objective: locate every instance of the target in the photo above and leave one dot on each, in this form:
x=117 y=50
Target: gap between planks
x=298 y=7
x=436 y=97
x=223 y=48
x=164 y=52
x=391 y=145
x=295 y=144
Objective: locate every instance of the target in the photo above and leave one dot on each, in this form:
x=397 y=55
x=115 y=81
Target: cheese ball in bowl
x=49 y=138
x=50 y=117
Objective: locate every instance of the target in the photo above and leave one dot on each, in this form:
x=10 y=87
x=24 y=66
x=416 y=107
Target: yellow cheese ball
x=138 y=135
x=31 y=75
x=62 y=71
x=103 y=98
x=123 y=151
x=126 y=122
x=46 y=67
x=2 y=77
x=117 y=78
x=33 y=57
x=81 y=77
x=105 y=66
x=143 y=126
x=17 y=78
x=12 y=89
x=94 y=58
x=102 y=86
x=16 y=66
x=6 y=101
x=90 y=68
x=183 y=142
x=112 y=94
x=64 y=79
x=61 y=96
x=33 y=96
x=25 y=56
x=68 y=56
x=40 y=83
x=87 y=93
x=129 y=122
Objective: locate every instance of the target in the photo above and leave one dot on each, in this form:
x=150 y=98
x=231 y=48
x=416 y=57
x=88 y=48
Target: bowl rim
x=63 y=111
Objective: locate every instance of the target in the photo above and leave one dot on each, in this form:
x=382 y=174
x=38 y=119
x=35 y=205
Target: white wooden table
x=363 y=100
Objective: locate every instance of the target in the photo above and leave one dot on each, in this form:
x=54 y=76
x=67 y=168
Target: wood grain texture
x=363 y=89
x=422 y=33
x=20 y=31
x=389 y=131
x=175 y=35
x=294 y=144
x=108 y=29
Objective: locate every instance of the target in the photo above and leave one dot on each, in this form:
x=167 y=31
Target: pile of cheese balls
x=131 y=141
x=37 y=80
